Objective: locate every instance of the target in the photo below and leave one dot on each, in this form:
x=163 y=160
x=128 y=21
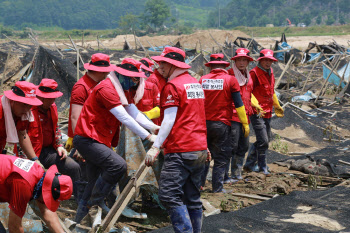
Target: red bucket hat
x=266 y=53
x=56 y=188
x=217 y=59
x=48 y=89
x=174 y=56
x=23 y=92
x=99 y=62
x=242 y=52
x=131 y=68
x=147 y=64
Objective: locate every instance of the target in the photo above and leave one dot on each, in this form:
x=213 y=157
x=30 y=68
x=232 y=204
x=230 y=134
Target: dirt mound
x=187 y=41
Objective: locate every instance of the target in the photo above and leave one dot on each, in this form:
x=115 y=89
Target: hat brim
x=270 y=58
x=178 y=64
x=50 y=203
x=109 y=68
x=49 y=95
x=227 y=64
x=246 y=56
x=129 y=73
x=30 y=101
x=147 y=68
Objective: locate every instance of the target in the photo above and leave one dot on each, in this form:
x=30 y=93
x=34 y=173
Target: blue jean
x=180 y=179
x=240 y=146
x=262 y=129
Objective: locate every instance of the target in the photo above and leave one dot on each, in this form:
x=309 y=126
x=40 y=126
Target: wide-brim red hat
x=147 y=64
x=99 y=62
x=217 y=63
x=130 y=68
x=146 y=68
x=23 y=92
x=242 y=52
x=267 y=54
x=56 y=188
x=174 y=56
x=48 y=89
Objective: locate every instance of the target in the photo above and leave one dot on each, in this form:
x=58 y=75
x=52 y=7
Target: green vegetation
x=280 y=146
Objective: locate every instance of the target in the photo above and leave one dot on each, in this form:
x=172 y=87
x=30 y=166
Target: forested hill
x=107 y=14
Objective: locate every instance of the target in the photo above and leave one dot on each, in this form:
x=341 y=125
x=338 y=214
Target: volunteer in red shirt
x=45 y=134
x=97 y=70
x=221 y=91
x=22 y=180
x=240 y=143
x=98 y=129
x=263 y=89
x=15 y=114
x=183 y=136
x=147 y=67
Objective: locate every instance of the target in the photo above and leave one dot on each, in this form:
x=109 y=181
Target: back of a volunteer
x=15 y=115
x=183 y=136
x=22 y=180
x=221 y=90
x=240 y=143
x=263 y=89
x=98 y=129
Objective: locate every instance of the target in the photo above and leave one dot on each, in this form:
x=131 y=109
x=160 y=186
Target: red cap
x=218 y=59
x=56 y=188
x=99 y=62
x=23 y=92
x=242 y=52
x=48 y=89
x=266 y=53
x=174 y=56
x=147 y=64
x=131 y=68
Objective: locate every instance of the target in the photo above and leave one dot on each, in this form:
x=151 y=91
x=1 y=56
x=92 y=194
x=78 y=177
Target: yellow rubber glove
x=255 y=104
x=69 y=144
x=278 y=109
x=243 y=119
x=153 y=113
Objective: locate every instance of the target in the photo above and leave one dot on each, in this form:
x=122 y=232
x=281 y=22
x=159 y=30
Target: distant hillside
x=254 y=13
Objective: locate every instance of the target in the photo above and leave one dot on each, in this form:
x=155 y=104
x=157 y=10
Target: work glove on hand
x=151 y=156
x=153 y=113
x=69 y=144
x=151 y=138
x=255 y=104
x=155 y=129
x=243 y=119
x=62 y=152
x=278 y=109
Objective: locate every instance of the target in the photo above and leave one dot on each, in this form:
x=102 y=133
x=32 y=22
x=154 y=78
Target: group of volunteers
x=188 y=121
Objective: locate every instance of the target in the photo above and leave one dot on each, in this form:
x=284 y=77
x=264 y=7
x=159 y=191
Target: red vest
x=29 y=170
x=264 y=90
x=150 y=97
x=246 y=93
x=3 y=134
x=218 y=87
x=96 y=121
x=35 y=129
x=189 y=132
x=157 y=79
x=88 y=85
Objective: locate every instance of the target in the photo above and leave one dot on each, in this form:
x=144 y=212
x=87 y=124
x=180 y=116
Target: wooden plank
x=67 y=211
x=344 y=162
x=284 y=71
x=251 y=196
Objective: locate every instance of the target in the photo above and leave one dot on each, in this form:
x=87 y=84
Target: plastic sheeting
x=335 y=79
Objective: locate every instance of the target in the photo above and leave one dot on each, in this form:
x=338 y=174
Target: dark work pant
x=262 y=131
x=240 y=146
x=49 y=156
x=219 y=144
x=180 y=179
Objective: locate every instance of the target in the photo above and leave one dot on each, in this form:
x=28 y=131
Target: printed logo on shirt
x=23 y=164
x=169 y=99
x=213 y=84
x=194 y=91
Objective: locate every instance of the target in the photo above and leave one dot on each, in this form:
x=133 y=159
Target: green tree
x=128 y=22
x=156 y=12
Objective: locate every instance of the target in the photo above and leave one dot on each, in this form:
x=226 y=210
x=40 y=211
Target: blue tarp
x=283 y=46
x=335 y=79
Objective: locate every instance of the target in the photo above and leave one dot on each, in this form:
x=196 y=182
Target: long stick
x=77 y=64
x=341 y=80
x=76 y=48
x=222 y=49
x=284 y=71
x=5 y=68
x=313 y=67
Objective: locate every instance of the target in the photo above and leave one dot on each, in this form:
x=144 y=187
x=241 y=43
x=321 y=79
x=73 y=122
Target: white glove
x=155 y=129
x=152 y=138
x=151 y=156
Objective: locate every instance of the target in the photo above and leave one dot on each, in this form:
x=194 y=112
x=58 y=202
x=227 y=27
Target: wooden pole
x=135 y=41
x=76 y=49
x=98 y=44
x=222 y=49
x=313 y=67
x=5 y=68
x=341 y=80
x=284 y=71
x=77 y=64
